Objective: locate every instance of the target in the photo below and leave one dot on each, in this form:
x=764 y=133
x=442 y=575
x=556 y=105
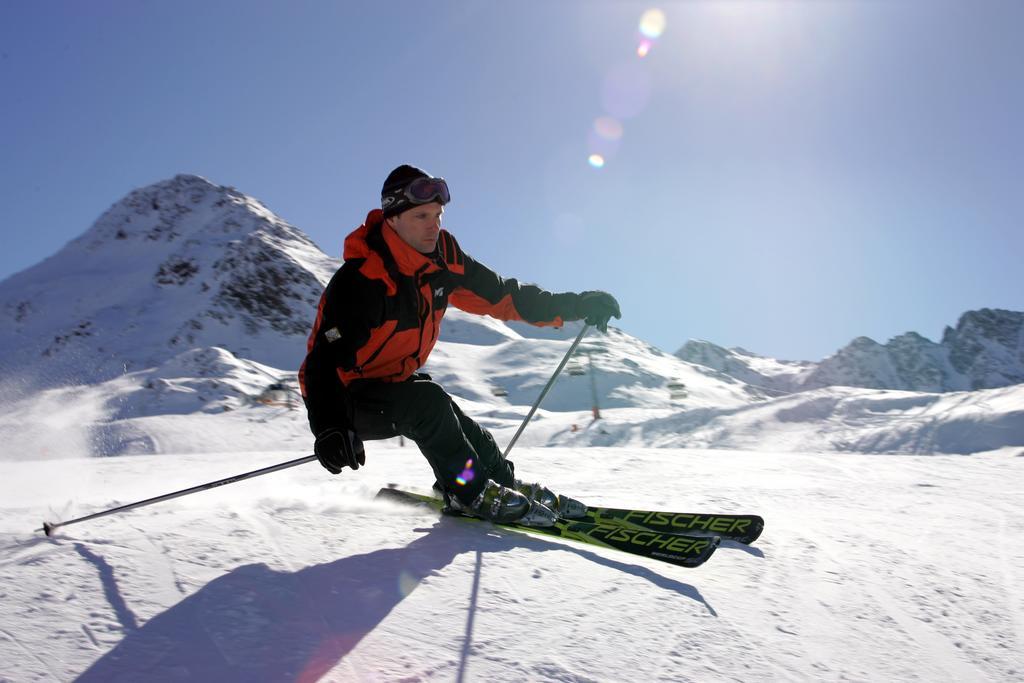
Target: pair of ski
x=679 y=538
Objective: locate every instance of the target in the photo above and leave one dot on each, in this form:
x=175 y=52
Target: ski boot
x=563 y=506
x=503 y=505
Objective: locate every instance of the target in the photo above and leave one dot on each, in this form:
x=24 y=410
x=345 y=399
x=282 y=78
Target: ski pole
x=547 y=387
x=48 y=527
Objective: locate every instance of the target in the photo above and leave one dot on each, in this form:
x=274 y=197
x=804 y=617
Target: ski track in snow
x=870 y=568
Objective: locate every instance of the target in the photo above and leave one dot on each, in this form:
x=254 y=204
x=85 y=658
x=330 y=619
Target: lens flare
x=608 y=128
x=652 y=24
x=644 y=48
x=601 y=145
x=467 y=474
x=596 y=160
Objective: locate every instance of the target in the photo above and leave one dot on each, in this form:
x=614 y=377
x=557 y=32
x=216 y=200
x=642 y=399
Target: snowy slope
x=869 y=569
x=845 y=419
x=629 y=372
x=196 y=415
x=138 y=412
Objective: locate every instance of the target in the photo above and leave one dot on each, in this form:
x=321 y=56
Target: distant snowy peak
x=760 y=371
x=984 y=351
x=172 y=266
x=987 y=347
x=908 y=362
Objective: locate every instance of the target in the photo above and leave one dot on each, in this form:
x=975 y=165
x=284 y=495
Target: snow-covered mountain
x=984 y=351
x=775 y=376
x=187 y=300
x=178 y=265
x=187 y=297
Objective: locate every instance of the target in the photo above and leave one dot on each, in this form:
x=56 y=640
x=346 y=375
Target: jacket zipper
x=359 y=368
x=419 y=317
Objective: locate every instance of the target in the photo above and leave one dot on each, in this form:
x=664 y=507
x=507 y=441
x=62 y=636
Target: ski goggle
x=426 y=190
x=419 y=191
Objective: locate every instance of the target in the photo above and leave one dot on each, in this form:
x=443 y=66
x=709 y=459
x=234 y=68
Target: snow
x=870 y=567
x=850 y=419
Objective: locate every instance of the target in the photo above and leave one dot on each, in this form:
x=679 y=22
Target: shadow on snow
x=257 y=624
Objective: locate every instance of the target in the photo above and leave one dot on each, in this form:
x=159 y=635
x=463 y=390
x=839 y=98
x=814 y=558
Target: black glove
x=596 y=308
x=339 y=448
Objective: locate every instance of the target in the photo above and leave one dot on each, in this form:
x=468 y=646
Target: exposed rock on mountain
x=775 y=376
x=177 y=265
x=984 y=351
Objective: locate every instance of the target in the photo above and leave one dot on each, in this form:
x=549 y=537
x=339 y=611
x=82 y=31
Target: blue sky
x=789 y=175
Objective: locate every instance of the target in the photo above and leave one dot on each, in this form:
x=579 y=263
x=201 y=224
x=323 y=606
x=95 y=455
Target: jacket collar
x=380 y=245
x=408 y=259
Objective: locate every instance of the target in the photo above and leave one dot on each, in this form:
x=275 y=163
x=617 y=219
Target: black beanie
x=398 y=179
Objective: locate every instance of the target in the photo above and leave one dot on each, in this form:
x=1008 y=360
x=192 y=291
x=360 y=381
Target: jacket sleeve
x=347 y=311
x=484 y=292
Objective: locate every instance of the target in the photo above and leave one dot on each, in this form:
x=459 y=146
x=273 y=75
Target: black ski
x=667 y=546
x=740 y=528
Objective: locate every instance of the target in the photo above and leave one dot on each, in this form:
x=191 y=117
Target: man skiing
x=378 y=320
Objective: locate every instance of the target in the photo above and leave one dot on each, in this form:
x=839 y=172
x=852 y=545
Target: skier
x=378 y=320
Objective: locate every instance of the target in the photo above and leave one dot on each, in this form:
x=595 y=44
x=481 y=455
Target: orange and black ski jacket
x=380 y=315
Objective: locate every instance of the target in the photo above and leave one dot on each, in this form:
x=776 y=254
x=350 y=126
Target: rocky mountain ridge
x=984 y=351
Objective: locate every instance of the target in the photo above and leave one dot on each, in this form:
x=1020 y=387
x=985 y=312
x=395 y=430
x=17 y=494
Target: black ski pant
x=462 y=454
